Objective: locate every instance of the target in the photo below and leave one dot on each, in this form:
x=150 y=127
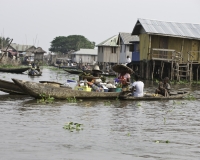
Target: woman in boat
x=164 y=87
x=95 y=84
x=124 y=79
x=137 y=87
x=124 y=74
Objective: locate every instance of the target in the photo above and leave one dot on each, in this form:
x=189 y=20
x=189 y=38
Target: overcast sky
x=38 y=22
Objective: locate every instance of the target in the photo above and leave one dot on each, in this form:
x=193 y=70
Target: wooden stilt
x=162 y=67
x=197 y=73
x=153 y=69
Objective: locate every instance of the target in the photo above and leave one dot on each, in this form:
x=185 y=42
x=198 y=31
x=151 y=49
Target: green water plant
x=107 y=103
x=71 y=126
x=45 y=99
x=71 y=99
x=190 y=97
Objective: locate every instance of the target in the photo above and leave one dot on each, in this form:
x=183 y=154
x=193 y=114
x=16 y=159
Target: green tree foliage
x=73 y=42
x=4 y=42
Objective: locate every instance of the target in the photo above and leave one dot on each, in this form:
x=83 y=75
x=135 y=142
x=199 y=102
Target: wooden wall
x=144 y=44
x=182 y=45
x=107 y=55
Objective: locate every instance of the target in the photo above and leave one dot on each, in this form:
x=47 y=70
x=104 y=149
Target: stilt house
x=168 y=49
x=108 y=52
x=126 y=47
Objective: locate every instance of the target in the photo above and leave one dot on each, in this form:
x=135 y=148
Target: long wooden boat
x=73 y=71
x=10 y=87
x=151 y=96
x=15 y=70
x=37 y=89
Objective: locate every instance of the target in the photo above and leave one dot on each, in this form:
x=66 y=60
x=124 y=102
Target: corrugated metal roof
x=86 y=52
x=127 y=37
x=174 y=29
x=109 y=42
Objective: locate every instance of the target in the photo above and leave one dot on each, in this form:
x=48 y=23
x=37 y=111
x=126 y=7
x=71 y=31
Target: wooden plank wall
x=144 y=46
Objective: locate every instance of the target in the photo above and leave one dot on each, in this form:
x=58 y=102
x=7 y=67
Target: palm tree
x=4 y=42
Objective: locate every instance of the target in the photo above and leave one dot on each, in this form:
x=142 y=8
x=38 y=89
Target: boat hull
x=37 y=89
x=14 y=70
x=10 y=87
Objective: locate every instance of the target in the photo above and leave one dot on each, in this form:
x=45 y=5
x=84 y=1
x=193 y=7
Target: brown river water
x=111 y=130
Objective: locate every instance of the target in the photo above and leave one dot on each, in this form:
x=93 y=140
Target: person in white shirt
x=128 y=59
x=137 y=87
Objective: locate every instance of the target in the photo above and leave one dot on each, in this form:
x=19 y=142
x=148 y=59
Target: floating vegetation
x=71 y=99
x=190 y=97
x=45 y=99
x=71 y=126
x=107 y=103
x=139 y=104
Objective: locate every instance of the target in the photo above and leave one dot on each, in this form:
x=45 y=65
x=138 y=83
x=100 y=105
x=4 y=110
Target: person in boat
x=38 y=68
x=124 y=78
x=163 y=87
x=137 y=87
x=33 y=65
x=95 y=84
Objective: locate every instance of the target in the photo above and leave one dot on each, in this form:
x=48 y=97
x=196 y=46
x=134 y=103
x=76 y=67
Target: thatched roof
x=39 y=50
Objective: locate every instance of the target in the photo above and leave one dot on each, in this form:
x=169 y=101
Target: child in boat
x=164 y=87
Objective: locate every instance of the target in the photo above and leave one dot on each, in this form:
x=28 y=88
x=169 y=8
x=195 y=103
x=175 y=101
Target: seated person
x=163 y=87
x=137 y=87
x=38 y=68
x=95 y=85
x=124 y=79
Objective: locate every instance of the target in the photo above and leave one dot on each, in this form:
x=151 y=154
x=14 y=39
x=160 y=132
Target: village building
x=85 y=56
x=39 y=55
x=108 y=52
x=127 y=42
x=20 y=51
x=168 y=49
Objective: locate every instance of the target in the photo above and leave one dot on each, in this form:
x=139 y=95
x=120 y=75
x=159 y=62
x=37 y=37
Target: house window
x=113 y=49
x=137 y=47
x=124 y=48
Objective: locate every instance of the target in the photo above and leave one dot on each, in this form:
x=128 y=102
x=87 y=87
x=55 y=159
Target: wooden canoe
x=10 y=87
x=151 y=96
x=73 y=71
x=36 y=89
x=15 y=70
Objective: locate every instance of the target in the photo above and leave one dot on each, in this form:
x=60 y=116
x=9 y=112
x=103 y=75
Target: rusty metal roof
x=174 y=29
